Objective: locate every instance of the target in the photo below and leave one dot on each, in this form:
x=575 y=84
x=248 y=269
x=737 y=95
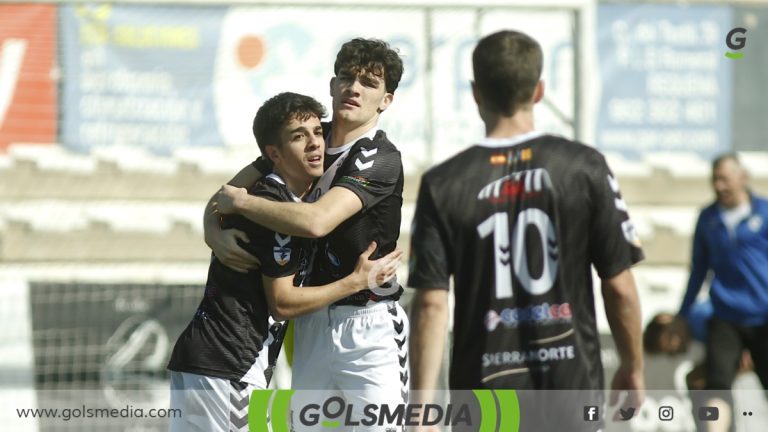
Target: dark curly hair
x=666 y=333
x=278 y=110
x=507 y=67
x=371 y=55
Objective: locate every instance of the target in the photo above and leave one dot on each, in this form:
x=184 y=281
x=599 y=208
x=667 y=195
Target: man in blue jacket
x=731 y=240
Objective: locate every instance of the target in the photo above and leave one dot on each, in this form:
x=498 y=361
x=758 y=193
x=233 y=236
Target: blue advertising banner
x=139 y=76
x=666 y=84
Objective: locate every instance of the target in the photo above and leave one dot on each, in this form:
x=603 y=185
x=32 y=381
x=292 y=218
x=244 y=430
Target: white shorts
x=209 y=404
x=357 y=352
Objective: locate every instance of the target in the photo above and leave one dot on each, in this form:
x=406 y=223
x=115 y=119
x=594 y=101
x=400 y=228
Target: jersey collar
x=509 y=141
x=336 y=150
x=277 y=178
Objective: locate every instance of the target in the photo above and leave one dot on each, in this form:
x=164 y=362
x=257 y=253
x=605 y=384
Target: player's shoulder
x=380 y=143
x=272 y=187
x=569 y=149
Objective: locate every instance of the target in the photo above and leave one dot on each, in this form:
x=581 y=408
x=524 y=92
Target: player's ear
x=272 y=153
x=388 y=97
x=331 y=84
x=538 y=92
x=476 y=93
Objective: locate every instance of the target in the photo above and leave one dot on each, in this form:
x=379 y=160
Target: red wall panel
x=28 y=91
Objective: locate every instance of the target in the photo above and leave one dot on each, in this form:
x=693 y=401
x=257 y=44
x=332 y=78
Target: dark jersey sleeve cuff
x=262 y=165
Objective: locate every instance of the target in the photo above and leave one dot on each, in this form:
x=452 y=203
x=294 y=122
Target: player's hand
x=227 y=198
x=630 y=381
x=369 y=274
x=224 y=245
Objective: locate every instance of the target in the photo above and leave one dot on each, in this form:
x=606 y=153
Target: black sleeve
x=280 y=255
x=613 y=242
x=262 y=165
x=429 y=265
x=371 y=172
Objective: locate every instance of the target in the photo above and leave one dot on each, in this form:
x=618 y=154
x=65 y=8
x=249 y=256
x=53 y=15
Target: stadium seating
x=128 y=204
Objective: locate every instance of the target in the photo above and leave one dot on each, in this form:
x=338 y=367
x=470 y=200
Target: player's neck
x=498 y=126
x=297 y=185
x=343 y=132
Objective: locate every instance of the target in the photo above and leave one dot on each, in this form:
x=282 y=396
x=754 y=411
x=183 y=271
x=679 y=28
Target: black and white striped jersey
x=371 y=168
x=231 y=324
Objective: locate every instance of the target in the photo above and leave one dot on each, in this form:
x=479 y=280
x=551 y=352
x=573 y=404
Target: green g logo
x=736 y=40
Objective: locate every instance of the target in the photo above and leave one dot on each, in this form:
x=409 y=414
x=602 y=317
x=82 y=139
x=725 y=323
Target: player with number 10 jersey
x=535 y=327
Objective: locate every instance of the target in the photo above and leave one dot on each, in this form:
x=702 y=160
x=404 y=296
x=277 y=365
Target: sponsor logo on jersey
x=541 y=314
x=515 y=186
x=362 y=181
x=541 y=355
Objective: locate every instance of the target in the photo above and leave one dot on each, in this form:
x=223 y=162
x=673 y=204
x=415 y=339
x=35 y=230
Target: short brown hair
x=507 y=67
x=371 y=55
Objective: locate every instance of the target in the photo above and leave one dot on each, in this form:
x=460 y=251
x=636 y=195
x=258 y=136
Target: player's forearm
x=429 y=321
x=296 y=219
x=294 y=301
x=622 y=308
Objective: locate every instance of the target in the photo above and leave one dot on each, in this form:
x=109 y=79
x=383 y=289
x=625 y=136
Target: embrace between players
x=308 y=233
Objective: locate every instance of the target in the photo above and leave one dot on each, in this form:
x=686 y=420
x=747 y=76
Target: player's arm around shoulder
x=370 y=173
x=223 y=243
x=331 y=210
x=309 y=220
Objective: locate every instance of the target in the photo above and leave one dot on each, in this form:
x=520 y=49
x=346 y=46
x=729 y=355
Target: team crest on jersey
x=755 y=223
x=281 y=252
x=282 y=255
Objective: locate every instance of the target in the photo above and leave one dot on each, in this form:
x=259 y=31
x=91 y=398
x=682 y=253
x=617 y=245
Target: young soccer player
x=518 y=220
x=357 y=347
x=222 y=355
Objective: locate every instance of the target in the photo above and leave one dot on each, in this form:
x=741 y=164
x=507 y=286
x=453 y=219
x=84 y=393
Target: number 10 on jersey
x=498 y=225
